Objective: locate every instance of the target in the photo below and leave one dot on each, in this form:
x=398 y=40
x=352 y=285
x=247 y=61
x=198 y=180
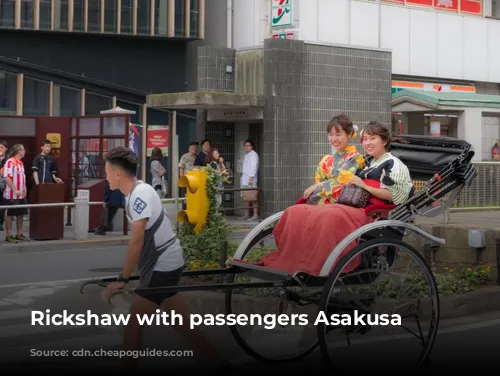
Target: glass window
x=89 y=126
x=95 y=103
x=35 y=97
x=26 y=14
x=17 y=126
x=114 y=126
x=94 y=16
x=144 y=17
x=66 y=101
x=110 y=12
x=8 y=92
x=45 y=14
x=161 y=17
x=126 y=17
x=7 y=13
x=180 y=10
x=78 y=15
x=61 y=15
x=194 y=10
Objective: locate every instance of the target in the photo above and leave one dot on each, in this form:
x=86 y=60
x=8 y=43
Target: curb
x=56 y=245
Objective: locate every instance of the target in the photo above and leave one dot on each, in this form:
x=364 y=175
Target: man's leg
x=112 y=210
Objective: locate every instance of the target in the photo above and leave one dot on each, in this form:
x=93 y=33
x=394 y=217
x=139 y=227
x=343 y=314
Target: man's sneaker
x=10 y=239
x=253 y=219
x=244 y=218
x=22 y=238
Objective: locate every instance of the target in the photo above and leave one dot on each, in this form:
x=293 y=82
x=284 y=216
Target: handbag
x=355 y=196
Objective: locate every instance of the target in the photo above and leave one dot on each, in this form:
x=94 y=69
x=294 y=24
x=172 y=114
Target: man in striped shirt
x=15 y=193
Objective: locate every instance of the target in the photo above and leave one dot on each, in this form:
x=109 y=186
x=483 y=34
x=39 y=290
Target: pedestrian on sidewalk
x=3 y=184
x=113 y=200
x=156 y=251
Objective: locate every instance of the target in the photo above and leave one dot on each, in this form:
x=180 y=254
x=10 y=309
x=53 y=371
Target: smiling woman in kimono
x=335 y=169
x=307 y=234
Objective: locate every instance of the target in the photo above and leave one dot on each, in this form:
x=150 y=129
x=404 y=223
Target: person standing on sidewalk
x=44 y=167
x=3 y=159
x=15 y=193
x=249 y=179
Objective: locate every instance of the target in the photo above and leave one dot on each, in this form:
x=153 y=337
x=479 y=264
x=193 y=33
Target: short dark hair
x=374 y=128
x=195 y=143
x=4 y=143
x=250 y=142
x=123 y=158
x=45 y=142
x=204 y=141
x=156 y=154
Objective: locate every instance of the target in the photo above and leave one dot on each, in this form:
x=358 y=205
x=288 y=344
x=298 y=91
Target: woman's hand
x=355 y=180
x=309 y=191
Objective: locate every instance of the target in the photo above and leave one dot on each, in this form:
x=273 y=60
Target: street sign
x=281 y=13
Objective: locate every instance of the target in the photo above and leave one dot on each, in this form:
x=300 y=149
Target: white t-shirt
x=145 y=203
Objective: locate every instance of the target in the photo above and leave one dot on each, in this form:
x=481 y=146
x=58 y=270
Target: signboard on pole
x=158 y=137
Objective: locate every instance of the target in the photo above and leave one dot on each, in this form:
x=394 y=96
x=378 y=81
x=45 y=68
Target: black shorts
x=14 y=212
x=163 y=279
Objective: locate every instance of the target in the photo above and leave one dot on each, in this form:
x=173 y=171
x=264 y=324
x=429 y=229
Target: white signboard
x=281 y=13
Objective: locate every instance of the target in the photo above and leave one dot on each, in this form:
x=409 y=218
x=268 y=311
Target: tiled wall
x=305 y=85
x=212 y=63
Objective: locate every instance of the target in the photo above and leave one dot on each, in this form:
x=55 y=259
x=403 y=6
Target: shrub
x=204 y=249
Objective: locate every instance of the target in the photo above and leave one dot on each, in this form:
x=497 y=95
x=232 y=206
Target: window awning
x=204 y=100
x=443 y=100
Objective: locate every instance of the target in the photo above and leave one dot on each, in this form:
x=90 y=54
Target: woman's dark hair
x=211 y=155
x=342 y=121
x=156 y=154
x=374 y=128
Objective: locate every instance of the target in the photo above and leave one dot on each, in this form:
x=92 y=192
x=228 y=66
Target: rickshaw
x=444 y=166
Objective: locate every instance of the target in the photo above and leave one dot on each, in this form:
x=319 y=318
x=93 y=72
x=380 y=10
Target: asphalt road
x=41 y=281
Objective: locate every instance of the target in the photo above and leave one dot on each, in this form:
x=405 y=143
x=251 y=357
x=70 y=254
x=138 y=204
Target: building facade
x=277 y=70
x=80 y=57
x=443 y=46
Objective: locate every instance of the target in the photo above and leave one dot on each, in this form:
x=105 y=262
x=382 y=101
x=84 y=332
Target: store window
x=137 y=108
x=110 y=12
x=66 y=101
x=61 y=15
x=45 y=19
x=161 y=17
x=492 y=8
x=144 y=17
x=7 y=13
x=35 y=97
x=126 y=25
x=8 y=92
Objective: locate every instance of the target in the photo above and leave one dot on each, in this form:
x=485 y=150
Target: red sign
x=451 y=5
x=462 y=6
x=157 y=138
x=471 y=6
x=427 y=3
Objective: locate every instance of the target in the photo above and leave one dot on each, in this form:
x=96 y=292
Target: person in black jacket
x=114 y=200
x=44 y=166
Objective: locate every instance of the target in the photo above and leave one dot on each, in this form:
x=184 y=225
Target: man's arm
x=34 y=168
x=134 y=247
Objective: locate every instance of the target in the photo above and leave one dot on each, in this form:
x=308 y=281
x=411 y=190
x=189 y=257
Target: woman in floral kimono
x=335 y=170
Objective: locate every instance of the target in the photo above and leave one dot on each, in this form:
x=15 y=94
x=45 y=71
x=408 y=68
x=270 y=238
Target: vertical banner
x=135 y=143
x=134 y=139
x=158 y=137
